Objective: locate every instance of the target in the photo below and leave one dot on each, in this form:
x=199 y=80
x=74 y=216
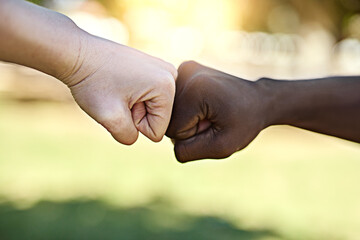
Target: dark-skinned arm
x=329 y=105
x=216 y=114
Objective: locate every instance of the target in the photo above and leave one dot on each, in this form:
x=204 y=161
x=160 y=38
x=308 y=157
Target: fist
x=214 y=114
x=123 y=89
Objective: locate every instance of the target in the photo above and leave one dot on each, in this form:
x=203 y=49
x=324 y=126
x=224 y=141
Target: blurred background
x=62 y=176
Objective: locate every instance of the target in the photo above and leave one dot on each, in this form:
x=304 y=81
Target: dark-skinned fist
x=214 y=114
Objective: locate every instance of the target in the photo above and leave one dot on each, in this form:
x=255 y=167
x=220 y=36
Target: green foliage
x=94 y=220
x=38 y=2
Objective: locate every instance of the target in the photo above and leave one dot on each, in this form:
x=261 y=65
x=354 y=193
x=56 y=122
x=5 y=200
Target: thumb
x=152 y=117
x=188 y=112
x=151 y=114
x=207 y=144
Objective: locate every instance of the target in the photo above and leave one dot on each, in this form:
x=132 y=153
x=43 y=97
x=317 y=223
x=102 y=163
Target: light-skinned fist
x=123 y=89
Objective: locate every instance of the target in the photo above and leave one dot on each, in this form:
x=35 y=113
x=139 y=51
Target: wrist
x=272 y=100
x=93 y=53
x=72 y=54
x=71 y=71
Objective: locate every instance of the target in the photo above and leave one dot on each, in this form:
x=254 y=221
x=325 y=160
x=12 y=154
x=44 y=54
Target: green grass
x=96 y=220
x=288 y=184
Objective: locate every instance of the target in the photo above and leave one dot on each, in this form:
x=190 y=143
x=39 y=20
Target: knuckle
x=187 y=64
x=157 y=138
x=130 y=140
x=155 y=132
x=181 y=153
x=169 y=85
x=110 y=125
x=171 y=131
x=200 y=80
x=223 y=149
x=116 y=125
x=173 y=71
x=112 y=122
x=166 y=83
x=197 y=87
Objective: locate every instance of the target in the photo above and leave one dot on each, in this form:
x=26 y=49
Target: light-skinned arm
x=123 y=89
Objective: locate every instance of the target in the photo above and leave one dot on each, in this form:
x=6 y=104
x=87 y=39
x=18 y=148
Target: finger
x=152 y=117
x=189 y=109
x=189 y=105
x=208 y=144
x=183 y=126
x=154 y=122
x=138 y=112
x=120 y=124
x=203 y=125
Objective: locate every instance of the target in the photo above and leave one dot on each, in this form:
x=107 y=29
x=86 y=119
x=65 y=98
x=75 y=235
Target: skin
x=216 y=114
x=123 y=89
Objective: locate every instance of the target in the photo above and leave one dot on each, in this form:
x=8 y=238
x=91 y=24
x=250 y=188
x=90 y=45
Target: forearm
x=38 y=38
x=330 y=105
